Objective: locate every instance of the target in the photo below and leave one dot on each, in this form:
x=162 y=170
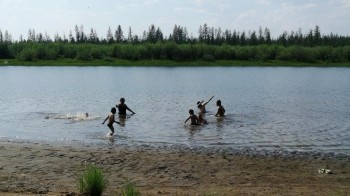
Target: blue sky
x=52 y=16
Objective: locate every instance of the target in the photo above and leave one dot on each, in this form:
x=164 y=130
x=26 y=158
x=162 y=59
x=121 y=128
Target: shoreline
x=169 y=63
x=180 y=148
x=36 y=168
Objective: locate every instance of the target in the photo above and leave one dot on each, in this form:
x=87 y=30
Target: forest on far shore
x=211 y=44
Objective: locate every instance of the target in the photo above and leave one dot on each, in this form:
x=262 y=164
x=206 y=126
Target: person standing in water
x=201 y=105
x=221 y=109
x=193 y=117
x=122 y=107
x=111 y=120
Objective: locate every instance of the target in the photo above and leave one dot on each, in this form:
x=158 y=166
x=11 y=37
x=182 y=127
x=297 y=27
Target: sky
x=61 y=16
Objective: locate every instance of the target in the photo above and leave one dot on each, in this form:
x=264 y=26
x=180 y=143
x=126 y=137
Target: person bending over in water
x=221 y=109
x=201 y=120
x=111 y=120
x=201 y=105
x=193 y=117
x=122 y=107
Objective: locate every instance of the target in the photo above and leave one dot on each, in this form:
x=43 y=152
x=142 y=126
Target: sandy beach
x=35 y=168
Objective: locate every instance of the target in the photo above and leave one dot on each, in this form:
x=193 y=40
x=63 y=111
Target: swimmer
x=193 y=117
x=221 y=109
x=201 y=105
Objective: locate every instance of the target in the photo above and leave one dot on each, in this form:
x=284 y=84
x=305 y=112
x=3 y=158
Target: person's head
x=122 y=100
x=218 y=103
x=113 y=110
x=191 y=111
x=199 y=104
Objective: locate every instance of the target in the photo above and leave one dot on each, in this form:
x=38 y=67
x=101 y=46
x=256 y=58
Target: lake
x=302 y=109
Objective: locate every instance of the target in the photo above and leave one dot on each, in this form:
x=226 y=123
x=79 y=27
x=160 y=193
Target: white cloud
x=263 y=2
x=346 y=3
x=189 y=9
x=277 y=15
x=224 y=7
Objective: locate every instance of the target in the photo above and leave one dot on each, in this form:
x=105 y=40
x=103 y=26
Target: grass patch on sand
x=129 y=189
x=92 y=181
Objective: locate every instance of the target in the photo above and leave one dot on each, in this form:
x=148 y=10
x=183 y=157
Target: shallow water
x=304 y=109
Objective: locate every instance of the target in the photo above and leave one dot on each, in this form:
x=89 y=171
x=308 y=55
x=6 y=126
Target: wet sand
x=34 y=168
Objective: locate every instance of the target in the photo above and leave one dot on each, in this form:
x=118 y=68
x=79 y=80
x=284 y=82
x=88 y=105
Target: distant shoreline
x=168 y=63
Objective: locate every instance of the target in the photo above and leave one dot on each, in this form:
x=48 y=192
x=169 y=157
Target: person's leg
x=111 y=128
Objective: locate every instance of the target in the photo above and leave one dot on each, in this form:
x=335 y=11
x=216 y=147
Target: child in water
x=221 y=110
x=201 y=120
x=201 y=105
x=193 y=117
x=122 y=107
x=111 y=120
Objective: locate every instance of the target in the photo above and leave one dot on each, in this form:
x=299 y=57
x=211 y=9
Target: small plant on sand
x=129 y=189
x=92 y=182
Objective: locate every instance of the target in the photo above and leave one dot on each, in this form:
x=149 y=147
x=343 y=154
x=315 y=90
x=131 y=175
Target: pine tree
x=7 y=37
x=253 y=39
x=242 y=39
x=267 y=36
x=317 y=35
x=83 y=37
x=1 y=37
x=159 y=35
x=261 y=36
x=130 y=38
x=151 y=35
x=77 y=34
x=118 y=35
x=70 y=37
x=109 y=35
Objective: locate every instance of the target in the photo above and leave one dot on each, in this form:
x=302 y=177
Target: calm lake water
x=304 y=109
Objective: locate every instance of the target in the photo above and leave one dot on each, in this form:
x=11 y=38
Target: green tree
x=7 y=37
x=253 y=41
x=119 y=35
x=77 y=34
x=151 y=34
x=1 y=37
x=317 y=35
x=267 y=35
x=261 y=36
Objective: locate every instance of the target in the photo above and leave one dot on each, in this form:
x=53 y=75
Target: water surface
x=267 y=108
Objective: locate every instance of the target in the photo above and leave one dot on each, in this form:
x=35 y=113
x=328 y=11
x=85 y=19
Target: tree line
x=211 y=44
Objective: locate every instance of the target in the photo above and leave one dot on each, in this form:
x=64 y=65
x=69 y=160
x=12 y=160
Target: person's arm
x=209 y=100
x=200 y=104
x=105 y=120
x=130 y=109
x=217 y=113
x=187 y=119
x=113 y=120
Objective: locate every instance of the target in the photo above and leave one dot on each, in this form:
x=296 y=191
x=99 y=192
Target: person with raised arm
x=201 y=105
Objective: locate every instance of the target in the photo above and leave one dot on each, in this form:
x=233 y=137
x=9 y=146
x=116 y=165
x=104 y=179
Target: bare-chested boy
x=193 y=117
x=111 y=120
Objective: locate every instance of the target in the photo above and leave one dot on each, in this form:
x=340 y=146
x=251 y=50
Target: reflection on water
x=272 y=108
